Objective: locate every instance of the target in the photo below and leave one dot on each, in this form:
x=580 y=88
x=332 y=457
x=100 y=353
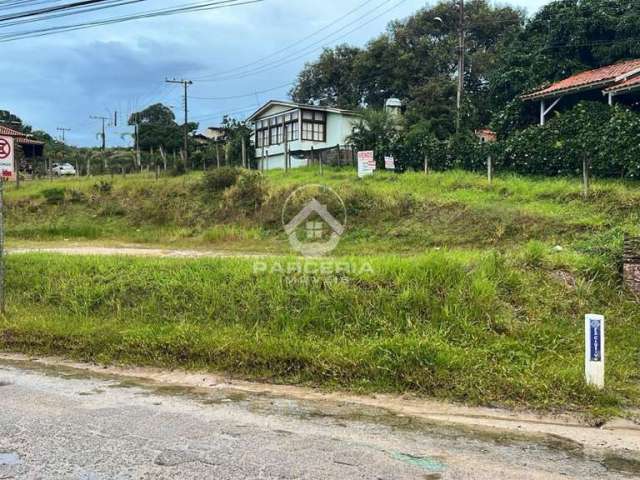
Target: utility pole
x=63 y=130
x=103 y=134
x=185 y=84
x=461 y=52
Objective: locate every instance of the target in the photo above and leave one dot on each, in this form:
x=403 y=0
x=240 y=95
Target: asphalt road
x=66 y=424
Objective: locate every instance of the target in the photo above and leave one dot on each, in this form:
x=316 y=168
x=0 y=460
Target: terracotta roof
x=10 y=132
x=586 y=80
x=28 y=141
x=626 y=85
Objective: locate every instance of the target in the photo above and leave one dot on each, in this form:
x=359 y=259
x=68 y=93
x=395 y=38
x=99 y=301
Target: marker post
x=594 y=350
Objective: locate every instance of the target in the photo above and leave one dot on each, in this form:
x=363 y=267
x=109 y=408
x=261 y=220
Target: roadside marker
x=594 y=349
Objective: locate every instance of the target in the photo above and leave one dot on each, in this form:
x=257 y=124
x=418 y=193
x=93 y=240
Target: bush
x=178 y=169
x=609 y=138
x=249 y=192
x=220 y=179
x=103 y=187
x=54 y=196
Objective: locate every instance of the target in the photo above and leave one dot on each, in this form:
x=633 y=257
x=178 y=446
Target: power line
x=292 y=45
x=185 y=8
x=244 y=95
x=309 y=50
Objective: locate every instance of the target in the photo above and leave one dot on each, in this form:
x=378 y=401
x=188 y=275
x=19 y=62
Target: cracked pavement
x=66 y=424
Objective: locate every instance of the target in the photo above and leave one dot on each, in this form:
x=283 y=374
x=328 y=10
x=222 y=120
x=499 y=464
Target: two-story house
x=298 y=133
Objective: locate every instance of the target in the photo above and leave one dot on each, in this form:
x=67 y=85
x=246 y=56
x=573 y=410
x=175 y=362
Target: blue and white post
x=594 y=350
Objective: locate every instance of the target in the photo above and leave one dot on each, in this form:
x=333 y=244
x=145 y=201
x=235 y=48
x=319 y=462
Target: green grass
x=482 y=328
x=468 y=299
x=406 y=214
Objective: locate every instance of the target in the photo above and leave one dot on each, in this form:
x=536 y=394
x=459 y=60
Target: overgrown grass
x=477 y=327
x=401 y=213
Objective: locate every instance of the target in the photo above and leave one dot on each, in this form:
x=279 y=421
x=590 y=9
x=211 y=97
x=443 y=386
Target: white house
x=298 y=132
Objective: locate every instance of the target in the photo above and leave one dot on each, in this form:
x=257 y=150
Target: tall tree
x=415 y=60
x=158 y=128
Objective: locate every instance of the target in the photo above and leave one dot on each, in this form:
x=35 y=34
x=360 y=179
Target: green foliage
x=237 y=132
x=478 y=328
x=158 y=129
x=608 y=138
x=220 y=179
x=377 y=131
x=54 y=196
x=248 y=193
x=415 y=61
x=103 y=187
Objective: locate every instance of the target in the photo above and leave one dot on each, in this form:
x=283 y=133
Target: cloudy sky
x=250 y=53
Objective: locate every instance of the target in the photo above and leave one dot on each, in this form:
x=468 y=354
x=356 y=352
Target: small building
x=486 y=135
x=215 y=134
x=23 y=149
x=298 y=133
x=610 y=81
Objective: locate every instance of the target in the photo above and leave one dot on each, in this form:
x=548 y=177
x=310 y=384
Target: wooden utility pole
x=63 y=130
x=2 y=269
x=103 y=134
x=461 y=52
x=244 y=152
x=490 y=169
x=585 y=178
x=185 y=84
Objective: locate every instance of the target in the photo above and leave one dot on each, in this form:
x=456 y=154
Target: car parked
x=62 y=169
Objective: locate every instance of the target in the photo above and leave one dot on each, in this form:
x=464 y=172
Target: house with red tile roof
x=612 y=80
x=30 y=148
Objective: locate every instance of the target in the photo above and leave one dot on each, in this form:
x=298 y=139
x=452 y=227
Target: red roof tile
x=10 y=132
x=585 y=80
x=28 y=141
x=626 y=85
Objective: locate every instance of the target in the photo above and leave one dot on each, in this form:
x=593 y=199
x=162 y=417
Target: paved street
x=59 y=423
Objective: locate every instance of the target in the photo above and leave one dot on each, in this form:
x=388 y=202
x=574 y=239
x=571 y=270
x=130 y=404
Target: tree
x=158 y=128
x=416 y=61
x=236 y=132
x=377 y=131
x=563 y=38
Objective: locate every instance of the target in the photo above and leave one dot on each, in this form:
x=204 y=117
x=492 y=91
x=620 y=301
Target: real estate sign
x=6 y=157
x=366 y=163
x=389 y=163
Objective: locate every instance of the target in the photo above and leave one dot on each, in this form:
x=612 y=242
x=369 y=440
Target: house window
x=272 y=131
x=262 y=133
x=314 y=126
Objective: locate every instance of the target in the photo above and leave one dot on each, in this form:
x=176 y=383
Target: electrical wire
x=184 y=8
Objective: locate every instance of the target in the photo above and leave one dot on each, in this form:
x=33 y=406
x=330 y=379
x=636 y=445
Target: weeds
x=478 y=328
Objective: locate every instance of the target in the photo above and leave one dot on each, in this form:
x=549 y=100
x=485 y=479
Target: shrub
x=103 y=187
x=249 y=192
x=220 y=179
x=54 y=196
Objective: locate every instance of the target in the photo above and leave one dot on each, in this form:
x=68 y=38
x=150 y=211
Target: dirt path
x=617 y=435
x=136 y=252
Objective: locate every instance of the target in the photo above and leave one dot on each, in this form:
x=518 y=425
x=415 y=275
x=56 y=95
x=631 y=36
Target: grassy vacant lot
x=400 y=213
x=466 y=298
x=484 y=328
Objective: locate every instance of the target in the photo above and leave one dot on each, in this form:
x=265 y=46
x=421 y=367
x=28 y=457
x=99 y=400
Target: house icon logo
x=314 y=230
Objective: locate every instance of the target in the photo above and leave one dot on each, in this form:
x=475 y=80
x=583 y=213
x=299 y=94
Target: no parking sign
x=6 y=157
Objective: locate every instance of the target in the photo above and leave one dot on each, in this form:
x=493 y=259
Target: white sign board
x=7 y=167
x=389 y=163
x=594 y=349
x=366 y=163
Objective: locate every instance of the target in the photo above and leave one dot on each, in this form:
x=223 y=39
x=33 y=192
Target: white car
x=63 y=169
